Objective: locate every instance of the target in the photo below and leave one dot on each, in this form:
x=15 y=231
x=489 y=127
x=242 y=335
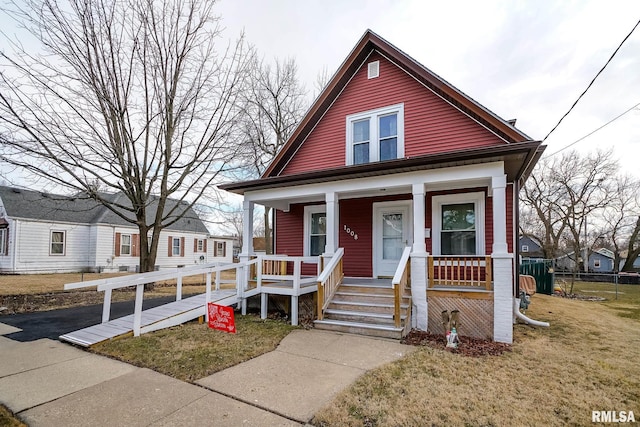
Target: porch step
x=385 y=298
x=383 y=331
x=365 y=306
x=360 y=317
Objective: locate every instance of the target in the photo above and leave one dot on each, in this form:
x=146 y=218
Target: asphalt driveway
x=51 y=324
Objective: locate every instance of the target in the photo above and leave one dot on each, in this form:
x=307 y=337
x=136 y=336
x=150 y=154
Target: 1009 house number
x=350 y=232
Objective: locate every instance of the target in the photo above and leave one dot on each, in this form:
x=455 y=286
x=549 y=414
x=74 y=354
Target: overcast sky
x=527 y=60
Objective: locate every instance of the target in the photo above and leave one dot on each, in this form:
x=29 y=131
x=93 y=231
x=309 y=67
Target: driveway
x=51 y=324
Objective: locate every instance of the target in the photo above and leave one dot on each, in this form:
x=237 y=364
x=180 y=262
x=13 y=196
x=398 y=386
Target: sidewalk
x=48 y=383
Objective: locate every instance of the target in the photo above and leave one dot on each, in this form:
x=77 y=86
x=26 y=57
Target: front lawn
x=587 y=360
x=192 y=351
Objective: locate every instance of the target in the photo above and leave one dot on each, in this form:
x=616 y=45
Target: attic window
x=373 y=70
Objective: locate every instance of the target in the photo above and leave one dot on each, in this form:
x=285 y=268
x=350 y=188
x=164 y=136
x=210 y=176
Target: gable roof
x=36 y=205
x=368 y=43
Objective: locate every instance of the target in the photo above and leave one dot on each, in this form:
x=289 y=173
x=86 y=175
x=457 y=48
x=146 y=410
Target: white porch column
x=247 y=230
x=419 y=261
x=502 y=266
x=331 y=244
x=498 y=186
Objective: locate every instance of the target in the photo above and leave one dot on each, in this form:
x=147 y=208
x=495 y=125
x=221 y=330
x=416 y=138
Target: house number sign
x=350 y=232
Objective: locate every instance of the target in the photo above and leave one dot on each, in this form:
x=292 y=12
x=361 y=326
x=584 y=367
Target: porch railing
x=472 y=272
x=399 y=283
x=329 y=280
x=283 y=268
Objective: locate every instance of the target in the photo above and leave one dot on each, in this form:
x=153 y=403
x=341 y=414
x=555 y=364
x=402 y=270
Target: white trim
x=376 y=232
x=130 y=244
x=461 y=177
x=64 y=242
x=308 y=210
x=373 y=69
x=374 y=140
x=524 y=249
x=477 y=198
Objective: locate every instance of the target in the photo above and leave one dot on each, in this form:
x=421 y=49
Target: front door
x=391 y=234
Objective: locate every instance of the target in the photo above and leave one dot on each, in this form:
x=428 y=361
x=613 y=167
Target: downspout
x=515 y=235
x=525 y=319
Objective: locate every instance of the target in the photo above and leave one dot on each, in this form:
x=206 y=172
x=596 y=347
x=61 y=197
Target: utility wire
x=593 y=80
x=593 y=131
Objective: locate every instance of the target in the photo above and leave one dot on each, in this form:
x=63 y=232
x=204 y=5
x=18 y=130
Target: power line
x=593 y=80
x=594 y=131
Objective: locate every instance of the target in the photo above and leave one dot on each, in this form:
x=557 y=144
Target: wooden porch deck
x=164 y=316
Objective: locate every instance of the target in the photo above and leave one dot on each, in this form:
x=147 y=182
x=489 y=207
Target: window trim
x=130 y=244
x=4 y=243
x=524 y=249
x=173 y=246
x=64 y=242
x=308 y=210
x=596 y=263
x=477 y=198
x=374 y=134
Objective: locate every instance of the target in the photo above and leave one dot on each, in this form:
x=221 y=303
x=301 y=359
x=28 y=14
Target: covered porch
x=372 y=218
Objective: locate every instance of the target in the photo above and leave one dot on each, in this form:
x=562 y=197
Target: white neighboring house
x=44 y=233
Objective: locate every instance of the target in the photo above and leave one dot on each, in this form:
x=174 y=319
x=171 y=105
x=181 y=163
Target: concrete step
x=383 y=331
x=361 y=317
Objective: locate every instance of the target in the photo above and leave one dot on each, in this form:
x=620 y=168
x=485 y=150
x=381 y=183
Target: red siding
x=431 y=124
x=356 y=214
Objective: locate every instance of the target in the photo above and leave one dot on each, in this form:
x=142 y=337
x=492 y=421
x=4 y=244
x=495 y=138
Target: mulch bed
x=467 y=346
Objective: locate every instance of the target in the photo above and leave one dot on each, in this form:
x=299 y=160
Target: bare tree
x=567 y=194
x=273 y=106
x=130 y=96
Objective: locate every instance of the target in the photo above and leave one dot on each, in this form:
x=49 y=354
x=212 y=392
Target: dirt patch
x=467 y=346
x=27 y=303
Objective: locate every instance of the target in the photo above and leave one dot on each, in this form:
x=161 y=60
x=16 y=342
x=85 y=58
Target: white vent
x=374 y=69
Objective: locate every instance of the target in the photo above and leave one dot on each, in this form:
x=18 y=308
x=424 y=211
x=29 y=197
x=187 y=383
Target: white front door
x=391 y=234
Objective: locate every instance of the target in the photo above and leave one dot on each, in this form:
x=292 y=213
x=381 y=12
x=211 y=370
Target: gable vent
x=374 y=70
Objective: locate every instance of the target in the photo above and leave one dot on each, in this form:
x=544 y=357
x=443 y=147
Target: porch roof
x=519 y=159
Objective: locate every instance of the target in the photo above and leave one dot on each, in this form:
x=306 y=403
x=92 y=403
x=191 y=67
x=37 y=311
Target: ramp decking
x=164 y=316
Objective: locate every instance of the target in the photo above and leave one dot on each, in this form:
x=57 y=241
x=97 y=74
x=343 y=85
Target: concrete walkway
x=48 y=383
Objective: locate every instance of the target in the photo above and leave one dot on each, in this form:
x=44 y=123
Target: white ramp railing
x=141 y=279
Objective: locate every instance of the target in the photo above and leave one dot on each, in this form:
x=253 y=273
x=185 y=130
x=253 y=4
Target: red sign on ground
x=221 y=318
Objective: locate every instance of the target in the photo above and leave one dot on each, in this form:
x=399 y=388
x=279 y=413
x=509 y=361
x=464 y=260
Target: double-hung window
x=57 y=243
x=125 y=244
x=375 y=135
x=458 y=224
x=315 y=230
x=3 y=241
x=175 y=246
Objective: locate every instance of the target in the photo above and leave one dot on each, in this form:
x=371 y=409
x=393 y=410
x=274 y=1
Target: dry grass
x=626 y=301
x=8 y=419
x=44 y=283
x=193 y=351
x=587 y=360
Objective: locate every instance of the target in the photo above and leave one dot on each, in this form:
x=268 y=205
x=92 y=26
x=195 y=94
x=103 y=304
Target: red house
x=395 y=173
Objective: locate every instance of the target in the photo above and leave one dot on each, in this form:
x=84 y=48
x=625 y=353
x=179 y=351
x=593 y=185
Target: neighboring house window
x=125 y=244
x=199 y=245
x=375 y=135
x=525 y=248
x=458 y=224
x=220 y=249
x=315 y=230
x=57 y=243
x=4 y=241
x=176 y=246
x=596 y=263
